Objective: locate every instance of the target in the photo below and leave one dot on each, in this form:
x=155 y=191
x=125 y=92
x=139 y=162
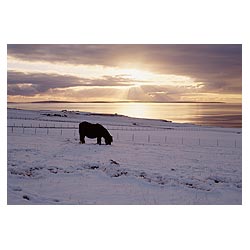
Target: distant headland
x=55 y=101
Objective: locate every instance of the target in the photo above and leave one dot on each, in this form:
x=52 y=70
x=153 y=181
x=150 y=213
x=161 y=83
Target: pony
x=94 y=131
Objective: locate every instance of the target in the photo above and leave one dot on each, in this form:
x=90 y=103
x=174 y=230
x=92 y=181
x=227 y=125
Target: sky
x=116 y=72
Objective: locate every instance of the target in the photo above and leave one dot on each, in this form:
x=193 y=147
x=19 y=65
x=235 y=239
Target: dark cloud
x=23 y=90
x=28 y=84
x=108 y=55
x=218 y=66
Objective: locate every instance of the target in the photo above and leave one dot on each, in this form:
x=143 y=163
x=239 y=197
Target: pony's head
x=108 y=139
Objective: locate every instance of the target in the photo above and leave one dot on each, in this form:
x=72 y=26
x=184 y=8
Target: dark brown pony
x=94 y=131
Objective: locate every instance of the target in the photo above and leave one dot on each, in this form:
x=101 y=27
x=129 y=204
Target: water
x=211 y=114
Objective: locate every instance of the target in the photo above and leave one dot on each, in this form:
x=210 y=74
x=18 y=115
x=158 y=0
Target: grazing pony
x=94 y=131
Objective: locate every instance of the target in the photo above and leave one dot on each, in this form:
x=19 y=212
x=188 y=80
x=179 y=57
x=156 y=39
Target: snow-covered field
x=149 y=162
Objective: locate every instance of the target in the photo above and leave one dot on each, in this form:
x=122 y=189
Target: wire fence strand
x=125 y=135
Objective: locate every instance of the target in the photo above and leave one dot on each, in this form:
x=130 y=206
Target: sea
x=209 y=114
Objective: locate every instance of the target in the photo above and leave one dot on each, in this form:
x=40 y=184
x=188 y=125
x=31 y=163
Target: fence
x=182 y=127
x=128 y=135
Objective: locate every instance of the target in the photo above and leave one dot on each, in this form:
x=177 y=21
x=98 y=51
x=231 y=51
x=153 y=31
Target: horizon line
x=55 y=101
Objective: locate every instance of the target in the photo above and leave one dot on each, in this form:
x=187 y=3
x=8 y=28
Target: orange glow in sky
x=146 y=75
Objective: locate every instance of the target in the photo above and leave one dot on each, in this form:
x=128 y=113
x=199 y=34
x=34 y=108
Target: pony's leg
x=99 y=140
x=82 y=139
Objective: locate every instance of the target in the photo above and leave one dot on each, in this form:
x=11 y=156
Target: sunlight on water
x=136 y=110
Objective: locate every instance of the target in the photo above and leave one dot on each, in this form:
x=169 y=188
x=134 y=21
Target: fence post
x=47 y=130
x=12 y=129
x=148 y=138
x=23 y=130
x=35 y=131
x=165 y=139
x=61 y=131
x=74 y=132
x=133 y=137
x=117 y=136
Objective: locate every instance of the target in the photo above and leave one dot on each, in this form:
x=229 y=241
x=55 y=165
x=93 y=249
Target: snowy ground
x=149 y=162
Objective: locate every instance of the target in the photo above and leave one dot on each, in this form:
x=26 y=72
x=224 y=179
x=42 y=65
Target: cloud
x=217 y=66
x=91 y=94
x=72 y=54
x=170 y=93
x=163 y=58
x=27 y=84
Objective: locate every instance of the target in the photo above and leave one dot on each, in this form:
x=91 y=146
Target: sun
x=136 y=74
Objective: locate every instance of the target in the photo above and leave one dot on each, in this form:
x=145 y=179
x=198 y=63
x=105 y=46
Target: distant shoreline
x=115 y=102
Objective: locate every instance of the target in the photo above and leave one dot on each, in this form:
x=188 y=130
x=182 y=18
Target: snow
x=149 y=162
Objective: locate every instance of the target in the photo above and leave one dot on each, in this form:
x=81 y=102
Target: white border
x=124 y=227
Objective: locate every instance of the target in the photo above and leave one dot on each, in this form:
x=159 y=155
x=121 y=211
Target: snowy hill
x=149 y=162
